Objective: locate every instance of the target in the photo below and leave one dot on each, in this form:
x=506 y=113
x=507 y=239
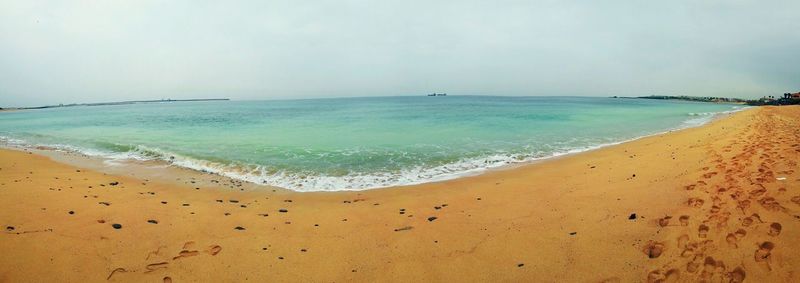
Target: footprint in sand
x=702 y=231
x=185 y=253
x=709 y=175
x=764 y=252
x=684 y=219
x=695 y=202
x=188 y=252
x=796 y=200
x=692 y=266
x=214 y=250
x=732 y=240
x=663 y=222
x=775 y=229
x=712 y=267
x=743 y=205
x=657 y=276
x=155 y=266
x=740 y=233
x=771 y=204
x=737 y=275
x=653 y=249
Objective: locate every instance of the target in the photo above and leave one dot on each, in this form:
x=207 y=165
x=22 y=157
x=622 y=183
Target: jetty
x=118 y=103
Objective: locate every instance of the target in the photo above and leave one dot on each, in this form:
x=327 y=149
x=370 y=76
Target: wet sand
x=719 y=203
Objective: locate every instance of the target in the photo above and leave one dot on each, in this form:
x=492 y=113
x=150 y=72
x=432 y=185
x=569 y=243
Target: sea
x=350 y=143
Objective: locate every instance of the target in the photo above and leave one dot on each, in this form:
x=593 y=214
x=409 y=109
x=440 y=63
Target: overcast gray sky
x=90 y=51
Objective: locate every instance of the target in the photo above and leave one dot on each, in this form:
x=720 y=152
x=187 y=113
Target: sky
x=55 y=52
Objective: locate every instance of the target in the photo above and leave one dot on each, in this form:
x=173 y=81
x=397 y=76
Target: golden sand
x=719 y=202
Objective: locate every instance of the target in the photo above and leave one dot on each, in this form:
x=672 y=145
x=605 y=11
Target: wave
x=114 y=153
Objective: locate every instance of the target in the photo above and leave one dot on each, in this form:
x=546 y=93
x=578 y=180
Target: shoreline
x=665 y=207
x=79 y=158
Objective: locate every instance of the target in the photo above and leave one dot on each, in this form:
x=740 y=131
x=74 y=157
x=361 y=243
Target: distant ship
x=437 y=94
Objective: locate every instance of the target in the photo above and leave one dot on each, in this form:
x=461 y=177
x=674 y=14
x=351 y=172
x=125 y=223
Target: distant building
x=795 y=95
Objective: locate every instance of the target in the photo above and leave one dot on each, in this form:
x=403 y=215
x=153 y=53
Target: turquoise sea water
x=351 y=143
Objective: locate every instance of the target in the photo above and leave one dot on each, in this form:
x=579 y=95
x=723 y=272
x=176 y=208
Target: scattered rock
x=114 y=183
x=432 y=218
x=239 y=228
x=151 y=221
x=632 y=216
x=116 y=226
x=71 y=212
x=283 y=210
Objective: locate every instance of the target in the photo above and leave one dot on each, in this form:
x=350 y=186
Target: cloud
x=87 y=51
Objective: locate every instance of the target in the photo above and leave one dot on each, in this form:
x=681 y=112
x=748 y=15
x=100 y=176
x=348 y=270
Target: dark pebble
x=71 y=212
x=116 y=226
x=573 y=233
x=632 y=217
x=114 y=183
x=520 y=265
x=239 y=228
x=152 y=221
x=283 y=210
x=432 y=218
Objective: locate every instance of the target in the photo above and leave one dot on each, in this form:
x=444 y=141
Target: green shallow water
x=351 y=143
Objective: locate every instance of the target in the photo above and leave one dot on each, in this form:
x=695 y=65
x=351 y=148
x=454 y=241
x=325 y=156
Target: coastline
x=98 y=161
x=564 y=217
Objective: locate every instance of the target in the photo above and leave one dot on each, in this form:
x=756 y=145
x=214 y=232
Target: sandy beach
x=717 y=203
